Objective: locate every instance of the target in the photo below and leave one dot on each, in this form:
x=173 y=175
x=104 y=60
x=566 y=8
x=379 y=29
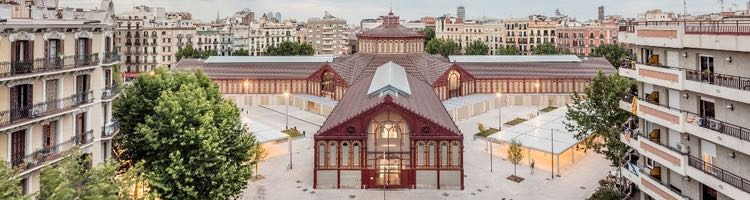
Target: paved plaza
x=577 y=180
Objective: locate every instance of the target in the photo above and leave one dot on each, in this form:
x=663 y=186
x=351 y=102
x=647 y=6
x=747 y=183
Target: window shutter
x=77 y=47
x=14 y=97
x=29 y=94
x=30 y=52
x=60 y=47
x=46 y=48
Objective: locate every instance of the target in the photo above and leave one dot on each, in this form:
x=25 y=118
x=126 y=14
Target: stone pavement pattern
x=578 y=181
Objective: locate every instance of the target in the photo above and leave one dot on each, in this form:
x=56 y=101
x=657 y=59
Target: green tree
x=509 y=50
x=429 y=34
x=597 y=118
x=614 y=53
x=191 y=141
x=187 y=52
x=477 y=47
x=10 y=185
x=515 y=154
x=240 y=52
x=259 y=154
x=71 y=179
x=207 y=53
x=546 y=49
x=606 y=192
x=442 y=47
x=288 y=48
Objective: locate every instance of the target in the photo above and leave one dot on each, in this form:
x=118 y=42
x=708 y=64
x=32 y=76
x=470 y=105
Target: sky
x=355 y=10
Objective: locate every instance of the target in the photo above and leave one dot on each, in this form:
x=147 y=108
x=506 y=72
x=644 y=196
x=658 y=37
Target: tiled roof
x=586 y=69
x=422 y=66
x=252 y=70
x=422 y=101
x=391 y=31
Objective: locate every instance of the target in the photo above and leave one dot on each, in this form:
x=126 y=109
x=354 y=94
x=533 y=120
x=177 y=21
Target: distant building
x=521 y=33
x=461 y=12
x=657 y=16
x=258 y=36
x=150 y=36
x=429 y=22
x=244 y=17
x=581 y=38
x=277 y=16
x=369 y=24
x=601 y=13
x=328 y=35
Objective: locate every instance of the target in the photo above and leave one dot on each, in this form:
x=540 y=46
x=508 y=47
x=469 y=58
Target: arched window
x=431 y=154
x=332 y=154
x=322 y=154
x=345 y=154
x=420 y=154
x=355 y=155
x=444 y=154
x=455 y=154
x=327 y=86
x=454 y=84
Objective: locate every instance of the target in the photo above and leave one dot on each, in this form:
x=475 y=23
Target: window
x=322 y=155
x=431 y=154
x=345 y=154
x=444 y=154
x=389 y=130
x=455 y=154
x=355 y=155
x=332 y=155
x=420 y=154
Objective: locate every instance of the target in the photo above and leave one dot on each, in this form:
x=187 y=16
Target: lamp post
x=552 y=151
x=289 y=137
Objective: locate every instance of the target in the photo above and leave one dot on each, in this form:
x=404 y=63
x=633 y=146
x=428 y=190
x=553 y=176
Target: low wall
x=308 y=103
x=476 y=108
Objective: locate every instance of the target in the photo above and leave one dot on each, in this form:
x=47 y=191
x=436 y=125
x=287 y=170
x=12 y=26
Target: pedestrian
x=532 y=166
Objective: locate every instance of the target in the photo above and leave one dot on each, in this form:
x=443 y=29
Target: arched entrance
x=389 y=135
x=327 y=86
x=454 y=84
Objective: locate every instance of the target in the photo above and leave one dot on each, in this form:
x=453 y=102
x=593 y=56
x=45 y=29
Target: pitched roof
x=422 y=101
x=261 y=68
x=389 y=77
x=390 y=31
x=422 y=66
x=585 y=69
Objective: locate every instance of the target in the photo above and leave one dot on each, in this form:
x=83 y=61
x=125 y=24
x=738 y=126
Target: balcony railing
x=111 y=57
x=42 y=155
x=720 y=126
x=729 y=81
x=109 y=92
x=724 y=27
x=87 y=59
x=110 y=129
x=721 y=174
x=85 y=137
x=16 y=115
x=39 y=65
x=649 y=177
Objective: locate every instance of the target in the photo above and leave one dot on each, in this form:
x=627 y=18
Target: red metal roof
x=585 y=69
x=422 y=102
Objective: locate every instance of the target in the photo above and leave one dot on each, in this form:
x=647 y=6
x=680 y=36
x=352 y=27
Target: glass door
x=389 y=172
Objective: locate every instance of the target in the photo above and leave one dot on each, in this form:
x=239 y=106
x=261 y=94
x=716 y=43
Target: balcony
x=42 y=156
x=16 y=116
x=626 y=103
x=720 y=85
x=729 y=35
x=87 y=60
x=110 y=129
x=719 y=132
x=24 y=69
x=627 y=69
x=110 y=92
x=672 y=158
x=664 y=115
x=85 y=138
x=725 y=182
x=655 y=188
x=111 y=57
x=660 y=75
x=658 y=34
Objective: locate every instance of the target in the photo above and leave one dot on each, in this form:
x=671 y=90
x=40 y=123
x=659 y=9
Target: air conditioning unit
x=683 y=148
x=715 y=126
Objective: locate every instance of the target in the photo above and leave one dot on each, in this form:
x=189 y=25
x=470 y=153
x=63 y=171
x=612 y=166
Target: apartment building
x=328 y=35
x=690 y=132
x=56 y=85
x=259 y=35
x=522 y=33
x=581 y=38
x=149 y=37
x=214 y=37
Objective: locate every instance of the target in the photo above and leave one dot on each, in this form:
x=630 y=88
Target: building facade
x=148 y=37
x=582 y=38
x=260 y=35
x=328 y=35
x=57 y=83
x=521 y=33
x=690 y=130
x=388 y=128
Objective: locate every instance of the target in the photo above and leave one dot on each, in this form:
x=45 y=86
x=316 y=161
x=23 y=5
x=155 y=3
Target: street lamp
x=289 y=136
x=499 y=113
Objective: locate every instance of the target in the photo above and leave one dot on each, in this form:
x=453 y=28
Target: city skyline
x=354 y=11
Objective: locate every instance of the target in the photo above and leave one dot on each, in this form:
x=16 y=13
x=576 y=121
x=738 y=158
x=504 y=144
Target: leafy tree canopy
x=614 y=53
x=509 y=50
x=71 y=178
x=477 y=47
x=429 y=34
x=189 y=52
x=546 y=49
x=288 y=48
x=191 y=141
x=442 y=47
x=598 y=118
x=240 y=52
x=10 y=186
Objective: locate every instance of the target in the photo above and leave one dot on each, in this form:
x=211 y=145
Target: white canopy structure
x=537 y=133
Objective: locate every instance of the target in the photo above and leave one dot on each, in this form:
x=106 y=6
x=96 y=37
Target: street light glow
x=286 y=94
